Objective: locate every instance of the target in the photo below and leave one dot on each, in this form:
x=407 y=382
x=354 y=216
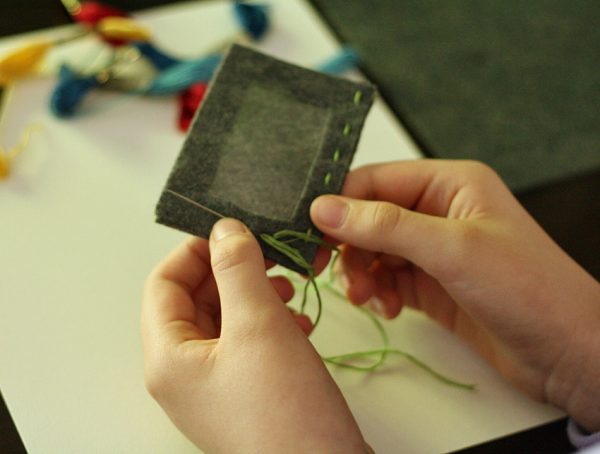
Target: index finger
x=168 y=309
x=405 y=183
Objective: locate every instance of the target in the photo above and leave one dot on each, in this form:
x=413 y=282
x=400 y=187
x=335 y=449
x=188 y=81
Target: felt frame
x=186 y=202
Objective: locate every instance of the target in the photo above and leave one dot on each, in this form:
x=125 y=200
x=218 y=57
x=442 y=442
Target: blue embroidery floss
x=253 y=18
x=70 y=91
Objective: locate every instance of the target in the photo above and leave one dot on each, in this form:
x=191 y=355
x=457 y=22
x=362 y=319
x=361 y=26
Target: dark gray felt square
x=268 y=139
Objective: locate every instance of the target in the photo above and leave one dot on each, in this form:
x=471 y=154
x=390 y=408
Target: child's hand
x=448 y=238
x=227 y=361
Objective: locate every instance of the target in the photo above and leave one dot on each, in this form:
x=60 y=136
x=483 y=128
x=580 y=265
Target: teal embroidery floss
x=344 y=60
x=156 y=56
x=180 y=76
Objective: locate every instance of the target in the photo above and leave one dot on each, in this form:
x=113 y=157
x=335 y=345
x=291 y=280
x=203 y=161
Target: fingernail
x=330 y=211
x=226 y=227
x=377 y=306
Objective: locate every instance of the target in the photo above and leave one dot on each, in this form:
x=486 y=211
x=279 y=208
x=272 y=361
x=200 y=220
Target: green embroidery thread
x=278 y=241
x=357 y=97
x=336 y=155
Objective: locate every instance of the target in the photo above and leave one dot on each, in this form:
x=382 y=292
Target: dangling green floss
x=340 y=360
x=345 y=360
x=280 y=241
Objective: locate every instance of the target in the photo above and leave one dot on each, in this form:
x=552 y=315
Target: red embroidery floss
x=189 y=100
x=90 y=13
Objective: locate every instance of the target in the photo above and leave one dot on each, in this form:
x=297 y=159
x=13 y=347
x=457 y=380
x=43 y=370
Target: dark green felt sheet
x=268 y=139
x=513 y=83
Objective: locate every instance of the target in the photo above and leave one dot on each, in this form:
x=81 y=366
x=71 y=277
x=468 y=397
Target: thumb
x=239 y=269
x=425 y=240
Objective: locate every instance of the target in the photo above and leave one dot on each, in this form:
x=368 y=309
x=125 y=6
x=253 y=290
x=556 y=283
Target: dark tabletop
x=567 y=207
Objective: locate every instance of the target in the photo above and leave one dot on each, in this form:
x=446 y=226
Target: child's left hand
x=227 y=360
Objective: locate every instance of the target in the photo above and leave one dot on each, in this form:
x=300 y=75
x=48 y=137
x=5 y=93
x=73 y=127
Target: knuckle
x=462 y=246
x=232 y=252
x=156 y=383
x=468 y=242
x=479 y=170
x=385 y=217
x=464 y=237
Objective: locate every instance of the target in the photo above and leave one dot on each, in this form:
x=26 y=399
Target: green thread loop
x=336 y=155
x=327 y=178
x=357 y=97
x=346 y=130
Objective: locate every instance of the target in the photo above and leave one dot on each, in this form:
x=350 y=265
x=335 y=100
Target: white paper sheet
x=78 y=238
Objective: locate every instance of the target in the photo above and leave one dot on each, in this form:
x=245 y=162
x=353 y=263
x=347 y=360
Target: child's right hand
x=448 y=238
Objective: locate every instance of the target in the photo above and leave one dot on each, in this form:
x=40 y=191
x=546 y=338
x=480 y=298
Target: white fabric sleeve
x=582 y=439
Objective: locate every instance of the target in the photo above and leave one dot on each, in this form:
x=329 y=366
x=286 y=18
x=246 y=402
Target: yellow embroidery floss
x=8 y=156
x=4 y=166
x=122 y=28
x=23 y=61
